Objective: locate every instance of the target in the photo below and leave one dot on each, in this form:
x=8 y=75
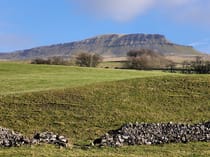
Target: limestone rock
x=9 y=138
x=155 y=133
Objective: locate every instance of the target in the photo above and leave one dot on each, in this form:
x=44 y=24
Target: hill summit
x=111 y=45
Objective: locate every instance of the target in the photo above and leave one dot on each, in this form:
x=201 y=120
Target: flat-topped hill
x=112 y=45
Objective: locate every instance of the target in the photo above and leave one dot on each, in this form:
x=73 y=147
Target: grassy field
x=18 y=77
x=87 y=108
x=170 y=150
x=112 y=64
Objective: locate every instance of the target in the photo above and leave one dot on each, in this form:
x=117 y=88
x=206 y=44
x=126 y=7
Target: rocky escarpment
x=155 y=133
x=112 y=45
x=9 y=138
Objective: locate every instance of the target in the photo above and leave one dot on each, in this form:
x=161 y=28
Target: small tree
x=40 y=61
x=88 y=59
x=171 y=67
x=186 y=67
x=145 y=59
x=200 y=66
x=57 y=60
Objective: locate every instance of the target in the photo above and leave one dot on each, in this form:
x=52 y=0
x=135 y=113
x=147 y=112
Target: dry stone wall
x=155 y=133
x=9 y=138
x=128 y=134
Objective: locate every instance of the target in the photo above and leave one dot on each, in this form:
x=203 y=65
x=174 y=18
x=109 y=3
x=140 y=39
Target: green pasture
x=19 y=77
x=85 y=103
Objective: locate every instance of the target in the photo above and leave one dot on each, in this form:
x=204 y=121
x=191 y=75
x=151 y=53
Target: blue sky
x=30 y=23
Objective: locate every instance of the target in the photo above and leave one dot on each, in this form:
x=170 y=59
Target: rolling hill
x=111 y=45
x=85 y=103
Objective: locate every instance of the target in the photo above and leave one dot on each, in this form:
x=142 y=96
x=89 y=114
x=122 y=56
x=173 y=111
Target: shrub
x=88 y=59
x=200 y=67
x=40 y=61
x=56 y=60
x=145 y=59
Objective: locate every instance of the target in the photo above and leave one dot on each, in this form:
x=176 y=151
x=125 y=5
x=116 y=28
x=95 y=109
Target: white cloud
x=119 y=10
x=124 y=10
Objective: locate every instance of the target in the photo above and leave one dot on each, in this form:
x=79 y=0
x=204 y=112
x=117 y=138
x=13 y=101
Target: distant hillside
x=113 y=45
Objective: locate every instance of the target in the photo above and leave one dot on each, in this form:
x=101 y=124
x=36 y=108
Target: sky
x=30 y=23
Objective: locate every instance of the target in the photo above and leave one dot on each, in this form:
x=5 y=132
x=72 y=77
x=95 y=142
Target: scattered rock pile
x=155 y=133
x=50 y=138
x=9 y=138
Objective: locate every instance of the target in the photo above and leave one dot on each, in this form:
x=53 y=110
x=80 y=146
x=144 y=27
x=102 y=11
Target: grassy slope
x=16 y=77
x=169 y=150
x=86 y=112
x=112 y=64
x=180 y=50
